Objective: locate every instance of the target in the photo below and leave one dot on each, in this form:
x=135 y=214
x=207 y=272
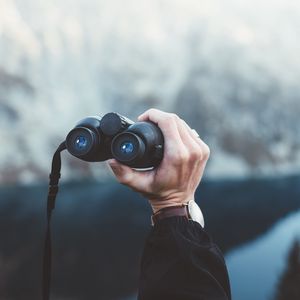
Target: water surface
x=255 y=268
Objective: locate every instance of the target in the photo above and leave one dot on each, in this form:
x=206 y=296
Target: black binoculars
x=138 y=145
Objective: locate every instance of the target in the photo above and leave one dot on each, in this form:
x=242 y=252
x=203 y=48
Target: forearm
x=181 y=262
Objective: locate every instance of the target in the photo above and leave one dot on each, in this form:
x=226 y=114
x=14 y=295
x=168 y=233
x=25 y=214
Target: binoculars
x=137 y=145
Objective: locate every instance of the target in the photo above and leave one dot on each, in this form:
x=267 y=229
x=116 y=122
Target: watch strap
x=172 y=211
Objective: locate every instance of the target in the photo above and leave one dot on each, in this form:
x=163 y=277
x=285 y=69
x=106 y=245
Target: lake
x=255 y=268
x=97 y=253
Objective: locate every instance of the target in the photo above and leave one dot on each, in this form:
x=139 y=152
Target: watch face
x=195 y=212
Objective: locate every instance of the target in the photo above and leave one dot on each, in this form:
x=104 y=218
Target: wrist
x=160 y=204
x=190 y=211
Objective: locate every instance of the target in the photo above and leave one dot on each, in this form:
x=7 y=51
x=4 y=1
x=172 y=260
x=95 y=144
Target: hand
x=175 y=180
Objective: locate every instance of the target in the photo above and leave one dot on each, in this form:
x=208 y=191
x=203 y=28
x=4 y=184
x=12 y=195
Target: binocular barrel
x=138 y=145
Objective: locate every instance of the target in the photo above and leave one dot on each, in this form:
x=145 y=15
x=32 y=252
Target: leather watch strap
x=173 y=211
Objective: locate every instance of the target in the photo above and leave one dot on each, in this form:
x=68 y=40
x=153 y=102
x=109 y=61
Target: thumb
x=126 y=175
x=118 y=169
x=123 y=173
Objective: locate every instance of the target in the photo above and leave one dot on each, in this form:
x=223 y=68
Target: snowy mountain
x=231 y=69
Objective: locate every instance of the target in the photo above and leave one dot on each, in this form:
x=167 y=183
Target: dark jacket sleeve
x=180 y=262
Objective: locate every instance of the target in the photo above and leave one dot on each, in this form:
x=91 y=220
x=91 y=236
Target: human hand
x=175 y=180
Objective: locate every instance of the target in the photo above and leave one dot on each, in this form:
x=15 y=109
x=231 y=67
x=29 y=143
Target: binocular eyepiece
x=138 y=145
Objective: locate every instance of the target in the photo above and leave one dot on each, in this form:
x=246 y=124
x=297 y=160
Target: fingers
x=192 y=147
x=190 y=141
x=165 y=121
x=192 y=132
x=205 y=151
x=195 y=136
x=174 y=145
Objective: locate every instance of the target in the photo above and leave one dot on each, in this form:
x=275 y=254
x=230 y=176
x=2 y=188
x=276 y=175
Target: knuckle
x=175 y=117
x=151 y=111
x=182 y=156
x=195 y=154
x=206 y=151
x=183 y=123
x=178 y=157
x=171 y=117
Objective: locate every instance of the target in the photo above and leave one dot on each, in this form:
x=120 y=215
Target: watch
x=191 y=211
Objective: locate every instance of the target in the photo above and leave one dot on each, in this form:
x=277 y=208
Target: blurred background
x=231 y=69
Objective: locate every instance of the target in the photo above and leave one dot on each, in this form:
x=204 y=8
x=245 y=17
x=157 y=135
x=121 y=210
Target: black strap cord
x=53 y=189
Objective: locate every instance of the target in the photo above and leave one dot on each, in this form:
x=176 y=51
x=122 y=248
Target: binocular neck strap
x=53 y=190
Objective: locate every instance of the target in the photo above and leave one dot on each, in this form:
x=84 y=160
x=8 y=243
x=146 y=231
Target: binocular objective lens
x=81 y=142
x=126 y=147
